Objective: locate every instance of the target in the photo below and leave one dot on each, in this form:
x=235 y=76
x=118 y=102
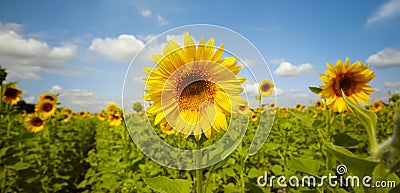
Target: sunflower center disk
x=37 y=122
x=47 y=107
x=196 y=93
x=12 y=93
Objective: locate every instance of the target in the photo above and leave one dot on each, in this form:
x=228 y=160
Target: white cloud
x=295 y=90
x=388 y=10
x=391 y=84
x=277 y=61
x=146 y=13
x=29 y=99
x=121 y=49
x=81 y=99
x=385 y=58
x=24 y=57
x=288 y=69
x=161 y=20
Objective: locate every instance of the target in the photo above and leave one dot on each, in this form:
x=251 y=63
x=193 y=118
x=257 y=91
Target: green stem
x=242 y=174
x=126 y=150
x=3 y=185
x=199 y=174
x=1 y=96
x=259 y=101
x=328 y=138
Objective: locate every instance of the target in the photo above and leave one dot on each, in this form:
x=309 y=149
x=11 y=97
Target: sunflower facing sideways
x=12 y=95
x=351 y=79
x=34 y=122
x=192 y=87
x=47 y=96
x=377 y=105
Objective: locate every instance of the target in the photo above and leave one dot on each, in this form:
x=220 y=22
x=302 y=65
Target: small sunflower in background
x=266 y=88
x=47 y=96
x=167 y=129
x=46 y=107
x=253 y=116
x=244 y=109
x=320 y=105
x=299 y=107
x=81 y=113
x=377 y=105
x=114 y=119
x=12 y=95
x=352 y=79
x=112 y=107
x=102 y=115
x=34 y=122
x=67 y=114
x=259 y=110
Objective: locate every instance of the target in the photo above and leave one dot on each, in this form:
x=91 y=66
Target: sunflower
x=81 y=113
x=12 y=95
x=320 y=105
x=351 y=79
x=266 y=88
x=67 y=112
x=253 y=116
x=272 y=106
x=34 y=122
x=112 y=108
x=102 y=115
x=299 y=107
x=259 y=110
x=114 y=119
x=315 y=114
x=166 y=128
x=193 y=88
x=377 y=105
x=47 y=96
x=67 y=116
x=46 y=107
x=244 y=109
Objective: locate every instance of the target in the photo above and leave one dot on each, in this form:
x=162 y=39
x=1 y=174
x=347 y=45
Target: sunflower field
x=46 y=147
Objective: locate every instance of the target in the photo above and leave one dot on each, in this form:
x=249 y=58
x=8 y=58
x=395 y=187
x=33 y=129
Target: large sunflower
x=351 y=79
x=12 y=95
x=46 y=107
x=34 y=122
x=193 y=88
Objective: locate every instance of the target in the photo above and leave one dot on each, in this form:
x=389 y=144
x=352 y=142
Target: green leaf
x=307 y=166
x=19 y=166
x=305 y=120
x=254 y=173
x=166 y=185
x=3 y=151
x=369 y=120
x=358 y=166
x=315 y=90
x=344 y=140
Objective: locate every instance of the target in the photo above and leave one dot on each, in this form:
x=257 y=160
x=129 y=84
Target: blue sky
x=82 y=50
